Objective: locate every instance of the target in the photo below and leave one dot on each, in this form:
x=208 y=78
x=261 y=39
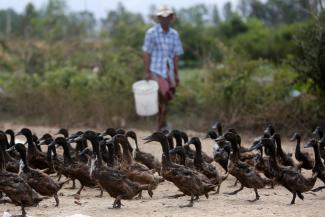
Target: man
x=162 y=48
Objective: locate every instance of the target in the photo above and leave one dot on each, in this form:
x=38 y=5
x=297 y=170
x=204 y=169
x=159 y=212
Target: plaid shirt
x=162 y=47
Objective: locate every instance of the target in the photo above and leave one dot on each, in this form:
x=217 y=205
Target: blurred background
x=247 y=62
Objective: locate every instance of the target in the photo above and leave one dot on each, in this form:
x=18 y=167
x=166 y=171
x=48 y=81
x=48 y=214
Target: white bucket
x=146 y=97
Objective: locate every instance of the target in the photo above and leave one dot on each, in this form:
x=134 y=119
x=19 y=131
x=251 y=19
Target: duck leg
x=23 y=211
x=73 y=184
x=293 y=198
x=56 y=200
x=235 y=192
x=139 y=196
x=80 y=189
x=59 y=178
x=176 y=196
x=257 y=196
x=190 y=204
x=101 y=192
x=236 y=182
x=117 y=202
x=318 y=189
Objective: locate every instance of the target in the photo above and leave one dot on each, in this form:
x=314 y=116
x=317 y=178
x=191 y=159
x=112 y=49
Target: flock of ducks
x=113 y=165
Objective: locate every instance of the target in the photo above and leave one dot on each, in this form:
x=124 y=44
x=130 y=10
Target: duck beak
x=220 y=139
x=215 y=125
x=19 y=133
x=103 y=134
x=10 y=149
x=256 y=146
x=308 y=145
x=52 y=143
x=148 y=139
x=42 y=142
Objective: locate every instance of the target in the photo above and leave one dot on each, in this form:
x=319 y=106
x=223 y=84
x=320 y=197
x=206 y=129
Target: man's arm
x=146 y=60
x=176 y=58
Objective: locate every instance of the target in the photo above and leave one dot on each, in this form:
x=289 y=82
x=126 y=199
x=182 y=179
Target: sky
x=100 y=7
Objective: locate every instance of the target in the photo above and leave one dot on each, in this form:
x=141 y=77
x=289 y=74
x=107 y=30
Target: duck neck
x=25 y=166
x=298 y=150
x=111 y=154
x=31 y=146
x=66 y=154
x=2 y=160
x=12 y=139
x=318 y=162
x=219 y=130
x=165 y=149
x=273 y=156
x=279 y=149
x=170 y=142
x=126 y=153
x=80 y=145
x=198 y=154
x=95 y=144
x=179 y=142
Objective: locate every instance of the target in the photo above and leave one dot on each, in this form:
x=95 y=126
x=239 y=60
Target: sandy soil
x=273 y=202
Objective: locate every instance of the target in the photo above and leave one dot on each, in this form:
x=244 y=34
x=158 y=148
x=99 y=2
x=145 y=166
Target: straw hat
x=164 y=11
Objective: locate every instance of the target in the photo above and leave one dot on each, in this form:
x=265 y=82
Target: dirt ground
x=273 y=202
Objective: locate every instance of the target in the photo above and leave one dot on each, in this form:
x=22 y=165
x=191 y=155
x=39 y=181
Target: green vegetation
x=243 y=68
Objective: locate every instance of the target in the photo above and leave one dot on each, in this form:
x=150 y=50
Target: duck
x=116 y=183
x=36 y=158
x=190 y=152
x=20 y=193
x=145 y=158
x=246 y=174
x=55 y=161
x=221 y=149
x=321 y=138
x=135 y=171
x=284 y=158
x=12 y=142
x=179 y=136
x=206 y=168
x=118 y=151
x=304 y=157
x=319 y=166
x=188 y=181
x=12 y=164
x=74 y=169
x=39 y=181
x=288 y=176
x=264 y=163
x=217 y=126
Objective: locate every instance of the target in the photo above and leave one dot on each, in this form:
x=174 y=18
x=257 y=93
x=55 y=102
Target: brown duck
x=39 y=181
x=19 y=192
x=188 y=181
x=319 y=166
x=303 y=157
x=288 y=176
x=135 y=171
x=145 y=158
x=115 y=182
x=245 y=173
x=36 y=158
x=206 y=168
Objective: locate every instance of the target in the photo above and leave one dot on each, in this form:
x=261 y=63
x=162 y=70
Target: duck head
x=63 y=132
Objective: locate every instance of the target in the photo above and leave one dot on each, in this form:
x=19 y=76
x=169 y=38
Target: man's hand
x=147 y=76
x=177 y=80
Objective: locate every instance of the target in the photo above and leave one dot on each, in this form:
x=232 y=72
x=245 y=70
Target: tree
x=227 y=11
x=309 y=61
x=30 y=16
x=215 y=16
